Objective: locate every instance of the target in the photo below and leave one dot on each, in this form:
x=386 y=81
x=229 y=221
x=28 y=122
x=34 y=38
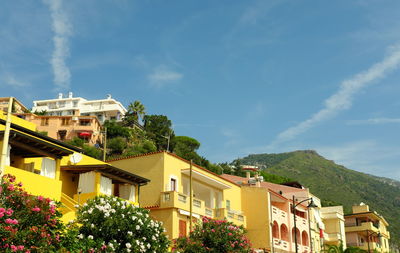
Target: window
x=228 y=205
x=75 y=103
x=44 y=122
x=61 y=104
x=62 y=134
x=48 y=168
x=172 y=185
x=65 y=121
x=84 y=122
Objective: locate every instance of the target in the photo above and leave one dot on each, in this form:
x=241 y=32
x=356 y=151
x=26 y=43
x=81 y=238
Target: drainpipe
x=270 y=223
x=6 y=139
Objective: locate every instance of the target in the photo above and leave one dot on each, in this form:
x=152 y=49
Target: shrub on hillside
x=27 y=223
x=215 y=236
x=110 y=224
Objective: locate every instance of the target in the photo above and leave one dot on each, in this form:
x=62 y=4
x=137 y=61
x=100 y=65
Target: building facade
x=270 y=217
x=168 y=194
x=333 y=219
x=66 y=128
x=53 y=169
x=17 y=106
x=103 y=109
x=367 y=229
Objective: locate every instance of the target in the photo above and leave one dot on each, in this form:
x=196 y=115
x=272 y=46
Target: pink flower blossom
x=11 y=221
x=40 y=198
x=14 y=248
x=9 y=212
x=36 y=209
x=11 y=187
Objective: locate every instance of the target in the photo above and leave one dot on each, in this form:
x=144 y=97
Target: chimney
x=248 y=175
x=258 y=184
x=70 y=94
x=60 y=95
x=108 y=96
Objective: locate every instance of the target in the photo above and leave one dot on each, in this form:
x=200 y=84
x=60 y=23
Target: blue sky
x=241 y=77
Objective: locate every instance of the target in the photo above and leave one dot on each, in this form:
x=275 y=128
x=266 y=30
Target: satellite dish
x=75 y=158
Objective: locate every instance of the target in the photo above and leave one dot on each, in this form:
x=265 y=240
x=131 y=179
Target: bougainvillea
x=27 y=223
x=111 y=224
x=215 y=236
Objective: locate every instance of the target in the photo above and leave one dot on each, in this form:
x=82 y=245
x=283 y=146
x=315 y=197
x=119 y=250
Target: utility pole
x=105 y=144
x=4 y=151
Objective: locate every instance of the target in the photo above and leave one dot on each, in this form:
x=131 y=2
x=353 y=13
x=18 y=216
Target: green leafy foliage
x=111 y=224
x=117 y=144
x=334 y=184
x=115 y=129
x=158 y=128
x=340 y=249
x=214 y=236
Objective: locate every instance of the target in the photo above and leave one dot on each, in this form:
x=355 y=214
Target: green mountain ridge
x=335 y=184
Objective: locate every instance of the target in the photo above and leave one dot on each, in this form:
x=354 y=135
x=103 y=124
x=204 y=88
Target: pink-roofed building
x=270 y=221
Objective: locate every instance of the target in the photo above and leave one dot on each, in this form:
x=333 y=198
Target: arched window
x=304 y=238
x=284 y=233
x=297 y=236
x=275 y=230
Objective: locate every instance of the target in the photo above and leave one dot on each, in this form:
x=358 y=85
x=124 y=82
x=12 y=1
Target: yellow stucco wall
x=36 y=184
x=255 y=203
x=160 y=168
x=148 y=167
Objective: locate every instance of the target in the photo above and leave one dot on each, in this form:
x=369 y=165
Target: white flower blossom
x=128 y=245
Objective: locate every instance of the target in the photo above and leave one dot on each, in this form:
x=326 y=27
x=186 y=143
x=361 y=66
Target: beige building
x=333 y=219
x=367 y=229
x=18 y=107
x=270 y=218
x=65 y=128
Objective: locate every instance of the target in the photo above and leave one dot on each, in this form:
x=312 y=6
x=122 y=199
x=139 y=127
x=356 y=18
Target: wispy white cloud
x=343 y=98
x=256 y=11
x=374 y=121
x=162 y=75
x=62 y=29
x=366 y=156
x=10 y=80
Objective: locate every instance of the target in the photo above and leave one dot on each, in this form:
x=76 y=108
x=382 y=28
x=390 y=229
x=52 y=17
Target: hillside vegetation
x=335 y=184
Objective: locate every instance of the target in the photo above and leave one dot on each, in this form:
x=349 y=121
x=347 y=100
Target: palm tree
x=340 y=249
x=135 y=110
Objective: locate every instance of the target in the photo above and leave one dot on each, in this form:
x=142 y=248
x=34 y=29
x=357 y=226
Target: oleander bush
x=111 y=224
x=27 y=223
x=215 y=236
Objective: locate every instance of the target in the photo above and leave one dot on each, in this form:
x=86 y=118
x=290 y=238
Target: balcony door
x=182 y=228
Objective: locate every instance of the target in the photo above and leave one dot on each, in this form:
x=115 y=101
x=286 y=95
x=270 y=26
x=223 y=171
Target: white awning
x=183 y=212
x=202 y=177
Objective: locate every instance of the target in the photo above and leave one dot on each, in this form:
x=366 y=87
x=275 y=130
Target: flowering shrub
x=27 y=223
x=218 y=236
x=110 y=224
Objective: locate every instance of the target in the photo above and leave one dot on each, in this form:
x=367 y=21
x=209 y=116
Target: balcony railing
x=178 y=200
x=353 y=227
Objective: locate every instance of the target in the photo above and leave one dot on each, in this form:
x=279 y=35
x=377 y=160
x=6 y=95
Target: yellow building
x=33 y=158
x=333 y=219
x=367 y=229
x=168 y=194
x=56 y=170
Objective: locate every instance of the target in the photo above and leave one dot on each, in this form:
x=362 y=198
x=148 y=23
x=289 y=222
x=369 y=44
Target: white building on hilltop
x=103 y=109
